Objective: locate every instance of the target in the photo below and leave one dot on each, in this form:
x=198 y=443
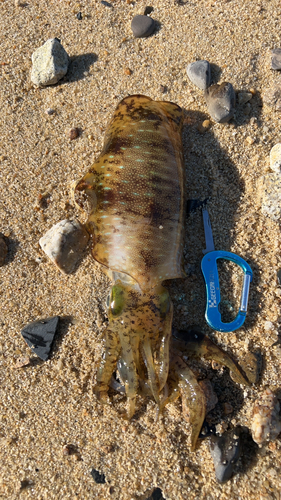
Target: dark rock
x=279 y=277
x=225 y=451
x=97 y=476
x=40 y=335
x=148 y=11
x=199 y=72
x=106 y=4
x=220 y=100
x=276 y=59
x=3 y=250
x=79 y=16
x=142 y=26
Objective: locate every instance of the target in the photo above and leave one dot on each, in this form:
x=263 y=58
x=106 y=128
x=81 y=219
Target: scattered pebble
x=271 y=196
x=220 y=100
x=23 y=361
x=272 y=97
x=142 y=26
x=127 y=71
x=225 y=451
x=163 y=89
x=39 y=335
x=73 y=133
x=210 y=395
x=244 y=97
x=3 y=250
x=204 y=126
x=275 y=158
x=268 y=325
x=50 y=111
x=49 y=63
x=106 y=4
x=148 y=10
x=199 y=73
x=97 y=476
x=276 y=59
x=279 y=277
x=266 y=423
x=79 y=16
x=64 y=244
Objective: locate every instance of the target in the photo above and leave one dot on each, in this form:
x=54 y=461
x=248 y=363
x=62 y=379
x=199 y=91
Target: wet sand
x=46 y=406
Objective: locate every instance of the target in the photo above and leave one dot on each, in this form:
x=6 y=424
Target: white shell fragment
x=266 y=423
x=49 y=63
x=64 y=244
x=271 y=196
x=275 y=158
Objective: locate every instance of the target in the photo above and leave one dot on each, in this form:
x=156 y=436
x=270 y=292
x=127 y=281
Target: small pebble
x=204 y=126
x=268 y=325
x=142 y=26
x=79 y=16
x=225 y=451
x=148 y=10
x=97 y=476
x=106 y=4
x=220 y=100
x=275 y=158
x=23 y=361
x=272 y=97
x=249 y=140
x=156 y=495
x=49 y=63
x=199 y=73
x=127 y=71
x=163 y=89
x=50 y=111
x=266 y=423
x=3 y=250
x=279 y=277
x=39 y=335
x=276 y=59
x=73 y=133
x=64 y=243
x=244 y=97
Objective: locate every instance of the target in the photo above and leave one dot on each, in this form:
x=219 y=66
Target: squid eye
x=116 y=300
x=165 y=303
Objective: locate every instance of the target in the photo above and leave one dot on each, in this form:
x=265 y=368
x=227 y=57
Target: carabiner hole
x=231 y=281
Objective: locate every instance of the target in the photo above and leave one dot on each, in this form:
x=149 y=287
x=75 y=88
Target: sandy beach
x=53 y=431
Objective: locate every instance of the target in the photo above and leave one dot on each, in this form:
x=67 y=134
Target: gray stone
x=142 y=26
x=220 y=100
x=271 y=196
x=64 y=244
x=49 y=63
x=272 y=97
x=225 y=451
x=276 y=59
x=199 y=73
x=39 y=335
x=244 y=97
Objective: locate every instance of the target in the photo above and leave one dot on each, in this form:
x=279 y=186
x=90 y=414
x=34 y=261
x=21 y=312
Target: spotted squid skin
x=134 y=199
x=134 y=192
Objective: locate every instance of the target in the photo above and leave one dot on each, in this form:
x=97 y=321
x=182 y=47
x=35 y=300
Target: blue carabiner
x=211 y=277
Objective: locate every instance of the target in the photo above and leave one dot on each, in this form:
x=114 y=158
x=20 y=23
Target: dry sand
x=46 y=406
